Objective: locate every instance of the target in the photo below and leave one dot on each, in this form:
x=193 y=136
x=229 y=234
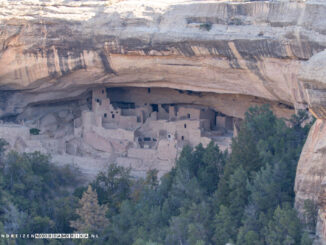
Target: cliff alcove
x=137 y=127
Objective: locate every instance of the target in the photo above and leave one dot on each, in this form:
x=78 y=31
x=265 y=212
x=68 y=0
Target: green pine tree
x=284 y=228
x=225 y=227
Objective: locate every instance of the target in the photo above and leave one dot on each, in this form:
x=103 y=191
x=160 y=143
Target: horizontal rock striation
x=51 y=49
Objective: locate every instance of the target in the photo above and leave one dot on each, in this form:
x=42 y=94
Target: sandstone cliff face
x=56 y=49
x=310 y=178
x=241 y=53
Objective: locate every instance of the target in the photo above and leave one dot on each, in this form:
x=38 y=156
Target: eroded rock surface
x=55 y=49
x=311 y=178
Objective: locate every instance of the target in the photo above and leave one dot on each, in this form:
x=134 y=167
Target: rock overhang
x=254 y=48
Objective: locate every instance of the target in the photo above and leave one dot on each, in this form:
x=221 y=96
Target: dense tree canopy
x=244 y=197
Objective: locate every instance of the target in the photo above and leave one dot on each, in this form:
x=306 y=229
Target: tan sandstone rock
x=56 y=49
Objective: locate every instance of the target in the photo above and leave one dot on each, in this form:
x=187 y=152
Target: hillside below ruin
x=190 y=67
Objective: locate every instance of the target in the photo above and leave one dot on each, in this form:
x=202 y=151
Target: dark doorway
x=154 y=107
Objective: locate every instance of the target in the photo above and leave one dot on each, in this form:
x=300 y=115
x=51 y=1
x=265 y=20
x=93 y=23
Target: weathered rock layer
x=55 y=49
x=310 y=178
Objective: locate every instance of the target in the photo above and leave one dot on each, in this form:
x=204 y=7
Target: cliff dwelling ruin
x=141 y=128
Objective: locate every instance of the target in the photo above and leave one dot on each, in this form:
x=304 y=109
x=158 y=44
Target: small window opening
x=182 y=137
x=113 y=115
x=149 y=90
x=188 y=115
x=99 y=101
x=169 y=136
x=105 y=115
x=154 y=107
x=102 y=91
x=185 y=125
